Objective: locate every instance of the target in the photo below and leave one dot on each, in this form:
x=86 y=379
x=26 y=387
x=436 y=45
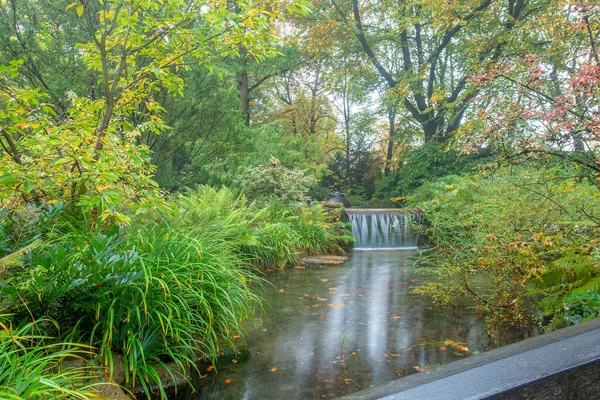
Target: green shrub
x=519 y=241
x=290 y=185
x=581 y=307
x=424 y=164
x=265 y=236
x=319 y=235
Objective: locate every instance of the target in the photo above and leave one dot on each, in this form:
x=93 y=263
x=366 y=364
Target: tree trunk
x=392 y=136
x=578 y=144
x=244 y=92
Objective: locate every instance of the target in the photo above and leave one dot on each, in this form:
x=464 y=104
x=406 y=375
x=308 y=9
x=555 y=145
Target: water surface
x=338 y=329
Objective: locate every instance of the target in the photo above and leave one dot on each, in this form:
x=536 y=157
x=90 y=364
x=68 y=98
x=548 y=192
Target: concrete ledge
x=564 y=364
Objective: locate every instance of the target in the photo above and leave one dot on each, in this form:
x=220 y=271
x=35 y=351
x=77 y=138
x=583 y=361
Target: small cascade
x=384 y=229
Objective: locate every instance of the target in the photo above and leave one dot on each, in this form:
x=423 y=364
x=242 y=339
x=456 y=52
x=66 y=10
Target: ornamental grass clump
x=32 y=366
x=320 y=233
x=148 y=292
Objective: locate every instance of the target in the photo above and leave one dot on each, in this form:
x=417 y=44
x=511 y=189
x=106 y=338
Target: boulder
x=324 y=260
x=118 y=371
x=333 y=204
x=337 y=197
x=112 y=392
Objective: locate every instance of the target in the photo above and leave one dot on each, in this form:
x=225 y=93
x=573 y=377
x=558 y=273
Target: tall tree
x=90 y=157
x=546 y=100
x=441 y=46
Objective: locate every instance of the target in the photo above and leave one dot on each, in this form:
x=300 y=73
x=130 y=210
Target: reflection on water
x=339 y=329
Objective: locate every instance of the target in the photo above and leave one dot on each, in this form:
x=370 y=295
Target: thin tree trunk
x=392 y=136
x=244 y=92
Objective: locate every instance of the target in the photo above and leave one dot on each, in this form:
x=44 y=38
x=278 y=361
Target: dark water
x=335 y=330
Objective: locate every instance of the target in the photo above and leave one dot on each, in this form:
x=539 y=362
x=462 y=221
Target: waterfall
x=384 y=229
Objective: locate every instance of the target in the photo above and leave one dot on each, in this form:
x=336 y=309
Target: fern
x=15 y=259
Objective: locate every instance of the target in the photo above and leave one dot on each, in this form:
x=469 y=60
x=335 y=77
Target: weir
x=384 y=229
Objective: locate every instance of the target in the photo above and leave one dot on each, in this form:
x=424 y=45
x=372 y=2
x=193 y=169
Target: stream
x=334 y=330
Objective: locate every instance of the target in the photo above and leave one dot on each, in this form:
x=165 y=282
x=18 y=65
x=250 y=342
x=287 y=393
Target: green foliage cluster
x=581 y=307
x=519 y=241
x=267 y=235
x=426 y=163
x=173 y=288
x=291 y=185
x=33 y=367
x=254 y=151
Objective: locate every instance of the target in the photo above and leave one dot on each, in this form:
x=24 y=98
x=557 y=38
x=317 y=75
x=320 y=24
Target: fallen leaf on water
x=395 y=317
x=298 y=267
x=344 y=295
x=336 y=305
x=227 y=381
x=324 y=280
x=332 y=288
x=273 y=369
x=443 y=348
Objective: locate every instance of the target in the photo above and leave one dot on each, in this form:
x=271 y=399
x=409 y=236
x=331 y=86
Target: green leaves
x=86 y=150
x=79 y=8
x=9 y=179
x=518 y=240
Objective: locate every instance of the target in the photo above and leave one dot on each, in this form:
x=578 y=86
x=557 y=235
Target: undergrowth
x=163 y=291
x=523 y=244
